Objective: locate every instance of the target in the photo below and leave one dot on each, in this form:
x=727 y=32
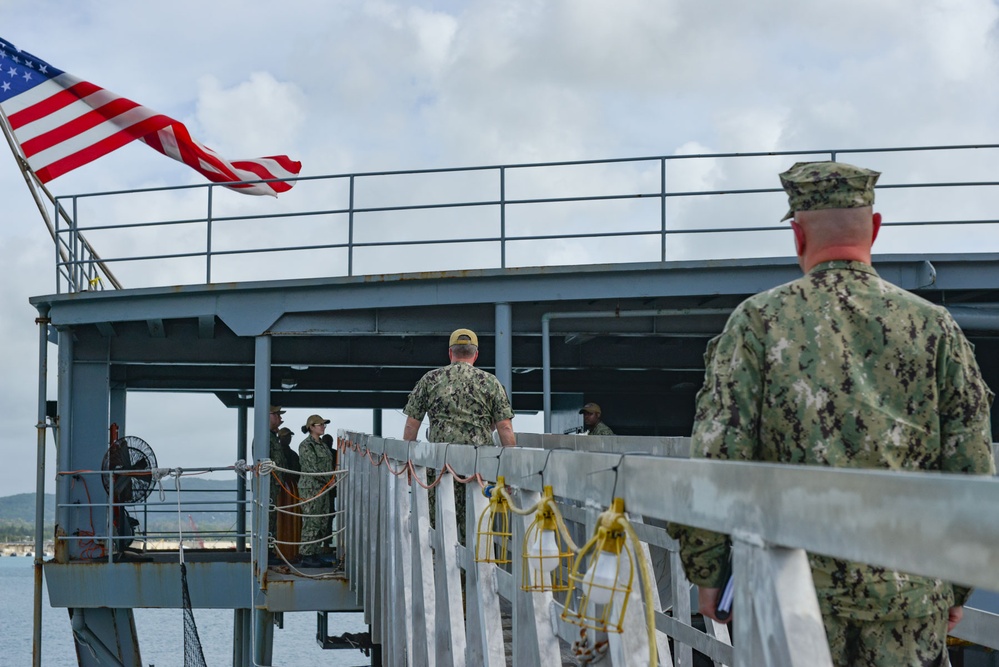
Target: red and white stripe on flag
x=62 y=123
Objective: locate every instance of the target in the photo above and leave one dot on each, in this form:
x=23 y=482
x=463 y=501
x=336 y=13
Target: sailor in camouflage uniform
x=465 y=405
x=841 y=368
x=279 y=455
x=317 y=522
x=592 y=423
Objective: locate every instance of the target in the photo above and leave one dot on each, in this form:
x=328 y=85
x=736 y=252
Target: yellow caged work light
x=492 y=540
x=546 y=555
x=610 y=576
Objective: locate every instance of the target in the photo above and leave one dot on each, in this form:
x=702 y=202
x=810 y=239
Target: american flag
x=62 y=123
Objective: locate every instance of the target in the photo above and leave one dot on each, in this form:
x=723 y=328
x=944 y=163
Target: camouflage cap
x=811 y=186
x=276 y=410
x=463 y=337
x=285 y=432
x=592 y=408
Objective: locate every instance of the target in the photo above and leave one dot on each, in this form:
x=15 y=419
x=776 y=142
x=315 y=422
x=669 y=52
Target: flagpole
x=34 y=185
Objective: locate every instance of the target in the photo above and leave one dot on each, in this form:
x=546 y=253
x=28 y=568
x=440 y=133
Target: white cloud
x=346 y=85
x=257 y=117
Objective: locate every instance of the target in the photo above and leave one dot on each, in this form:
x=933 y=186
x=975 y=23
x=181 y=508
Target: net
x=193 y=655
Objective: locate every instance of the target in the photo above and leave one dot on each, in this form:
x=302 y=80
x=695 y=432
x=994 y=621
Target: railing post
x=350 y=230
x=662 y=205
x=502 y=217
x=74 y=249
x=208 y=240
x=58 y=262
x=779 y=618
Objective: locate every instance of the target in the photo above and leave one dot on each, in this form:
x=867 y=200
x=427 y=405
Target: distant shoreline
x=8 y=549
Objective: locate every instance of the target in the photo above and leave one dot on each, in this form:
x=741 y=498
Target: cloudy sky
x=374 y=85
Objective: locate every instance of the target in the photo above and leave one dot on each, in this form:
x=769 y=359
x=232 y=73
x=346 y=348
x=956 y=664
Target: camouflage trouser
x=914 y=642
x=316 y=527
x=459 y=504
x=272 y=516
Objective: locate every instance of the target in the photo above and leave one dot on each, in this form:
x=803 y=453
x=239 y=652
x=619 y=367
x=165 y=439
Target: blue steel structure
x=629 y=335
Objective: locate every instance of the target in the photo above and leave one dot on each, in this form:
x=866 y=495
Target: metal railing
x=167 y=515
x=500 y=216
x=774 y=513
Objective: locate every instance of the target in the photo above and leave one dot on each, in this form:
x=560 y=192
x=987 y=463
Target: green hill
x=208 y=503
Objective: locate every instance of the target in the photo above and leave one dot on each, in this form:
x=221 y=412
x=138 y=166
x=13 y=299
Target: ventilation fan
x=132 y=460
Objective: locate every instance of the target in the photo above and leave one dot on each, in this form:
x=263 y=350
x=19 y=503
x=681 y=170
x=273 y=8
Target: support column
x=117 y=409
x=241 y=617
x=40 y=426
x=504 y=347
x=64 y=420
x=376 y=422
x=262 y=619
x=241 y=455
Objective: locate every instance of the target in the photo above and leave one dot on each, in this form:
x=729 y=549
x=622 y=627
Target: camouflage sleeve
x=501 y=404
x=965 y=402
x=727 y=408
x=416 y=406
x=601 y=429
x=725 y=427
x=965 y=422
x=277 y=453
x=308 y=456
x=704 y=554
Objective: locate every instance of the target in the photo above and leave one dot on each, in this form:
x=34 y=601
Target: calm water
x=160 y=631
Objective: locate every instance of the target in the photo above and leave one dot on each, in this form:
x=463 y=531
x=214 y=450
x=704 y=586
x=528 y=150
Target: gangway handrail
x=775 y=511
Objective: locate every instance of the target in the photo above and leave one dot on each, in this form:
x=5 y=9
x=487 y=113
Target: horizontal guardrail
x=655 y=208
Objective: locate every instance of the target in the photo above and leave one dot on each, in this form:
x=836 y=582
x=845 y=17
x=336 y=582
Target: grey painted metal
x=681 y=610
x=263 y=638
x=765 y=506
x=546 y=363
x=978 y=627
x=491 y=652
x=63 y=451
x=662 y=642
x=250 y=309
x=116 y=408
x=372 y=540
x=402 y=570
x=675 y=446
x=213 y=585
x=583 y=315
x=381 y=613
x=41 y=426
x=241 y=638
x=241 y=455
x=263 y=627
x=289 y=592
x=450 y=638
x=504 y=346
x=261 y=452
x=774 y=588
x=534 y=641
x=92 y=633
x=424 y=591
x=368 y=507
